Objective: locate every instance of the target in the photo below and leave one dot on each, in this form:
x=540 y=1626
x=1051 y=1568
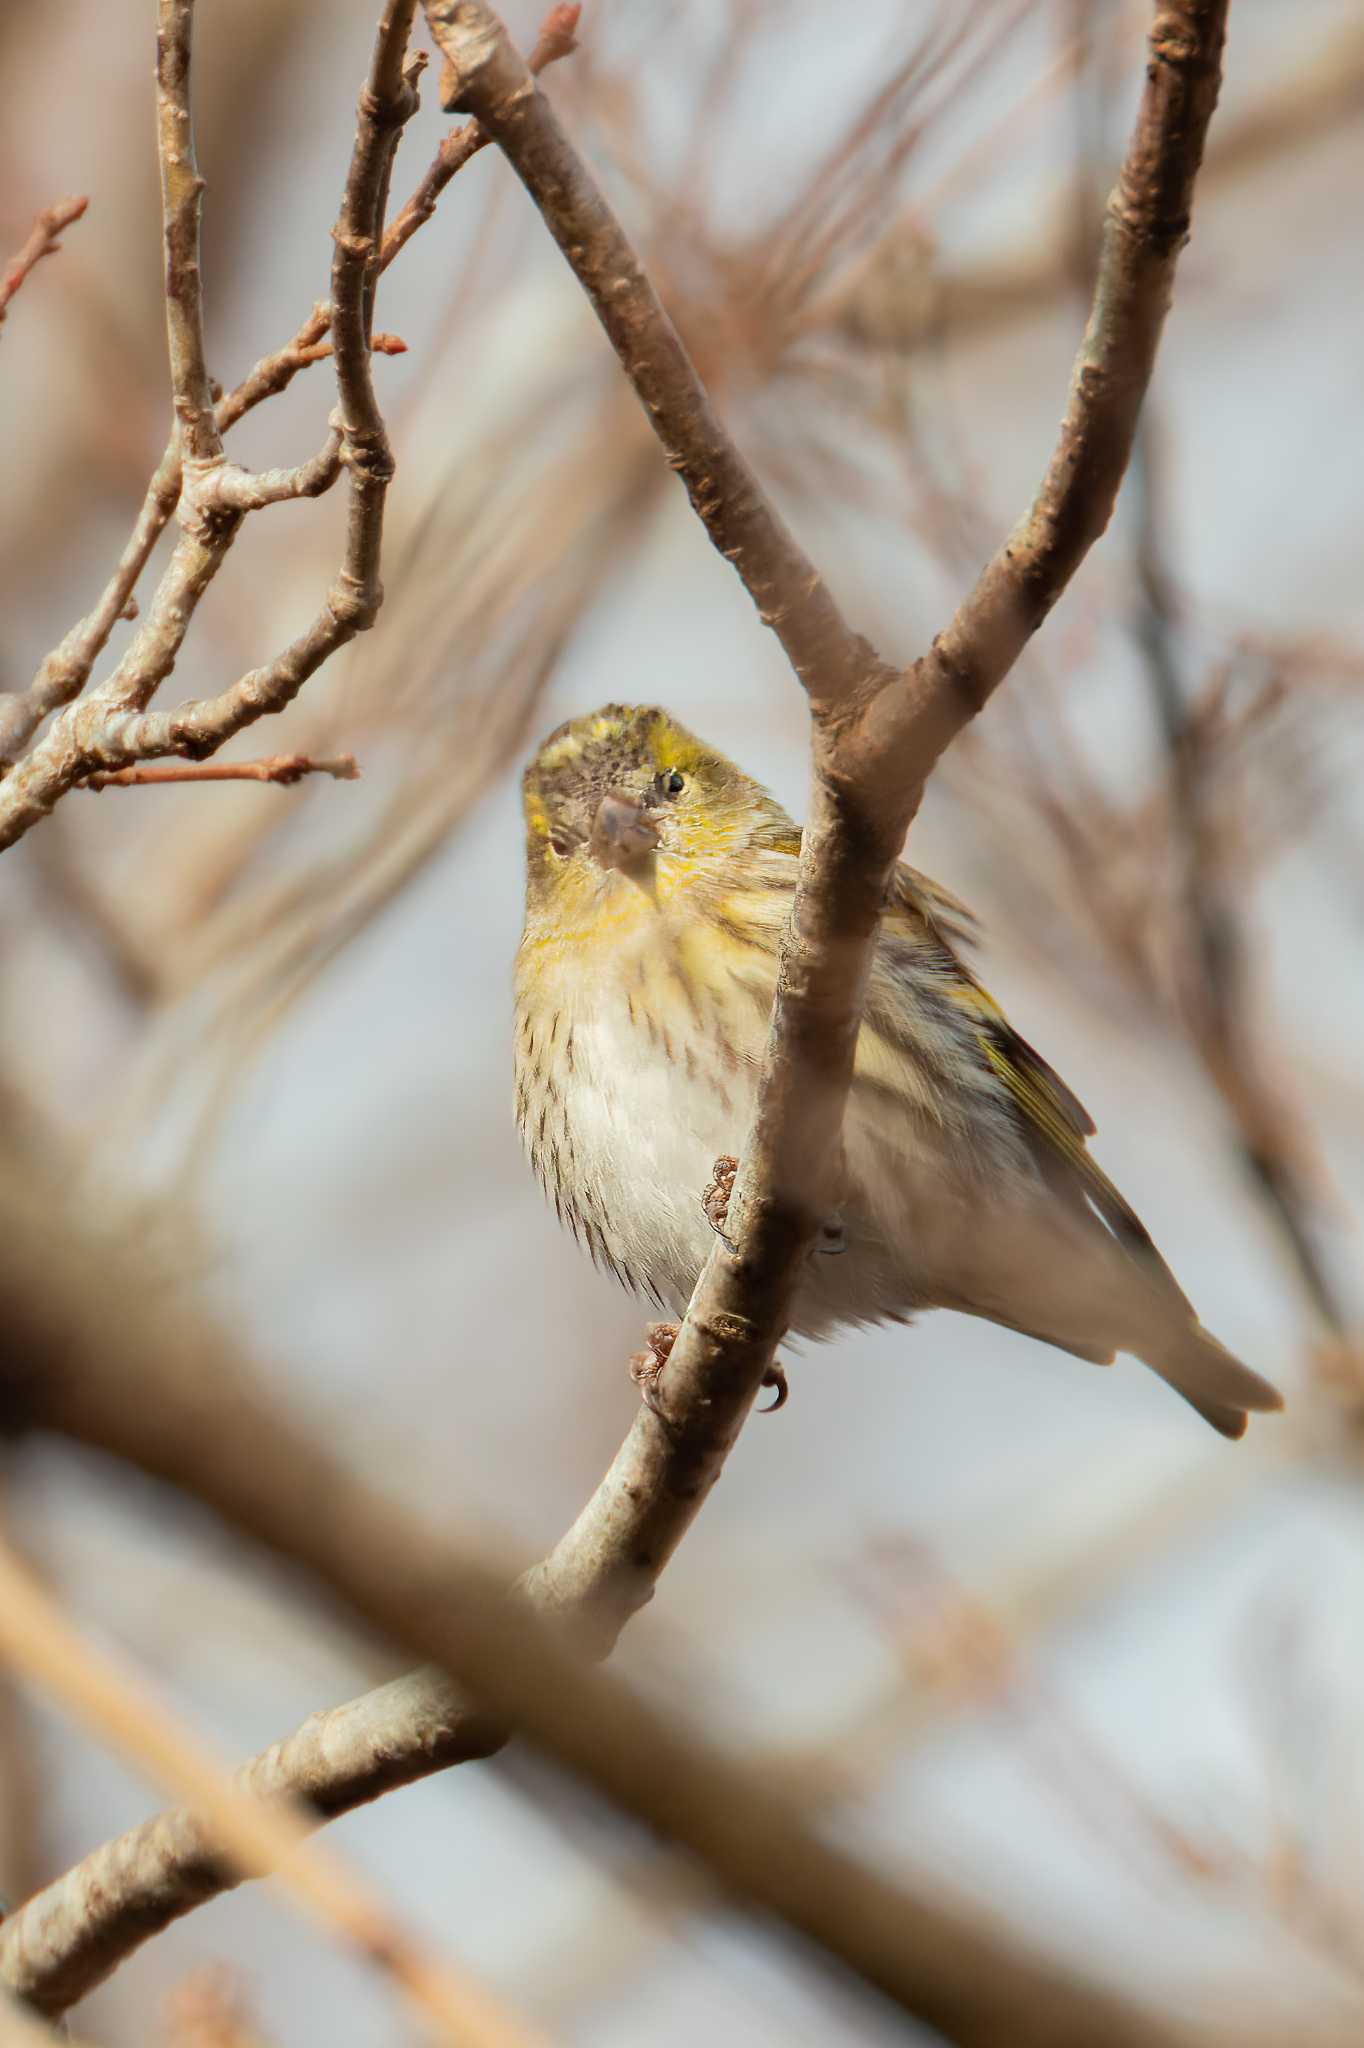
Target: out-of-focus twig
x=257 y=1835
x=888 y=302
x=21 y=2028
x=1213 y=982
x=44 y=240
x=81 y=1325
x=208 y=2010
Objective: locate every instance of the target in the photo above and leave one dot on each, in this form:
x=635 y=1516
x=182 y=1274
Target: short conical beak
x=623 y=834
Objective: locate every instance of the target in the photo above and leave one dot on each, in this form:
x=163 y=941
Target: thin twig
x=1214 y=981
x=875 y=734
x=113 y=728
x=282 y=768
x=43 y=240
x=63 y=673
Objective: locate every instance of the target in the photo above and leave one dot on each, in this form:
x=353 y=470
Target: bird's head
x=626 y=806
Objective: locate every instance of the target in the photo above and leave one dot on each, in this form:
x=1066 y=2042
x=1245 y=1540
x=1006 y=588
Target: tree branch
x=875 y=733
x=82 y=1324
x=256 y=1836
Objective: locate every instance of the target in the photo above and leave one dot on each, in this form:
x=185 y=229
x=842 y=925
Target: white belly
x=624 y=1121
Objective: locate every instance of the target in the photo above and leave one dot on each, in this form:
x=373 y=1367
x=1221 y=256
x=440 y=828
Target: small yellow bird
x=659 y=878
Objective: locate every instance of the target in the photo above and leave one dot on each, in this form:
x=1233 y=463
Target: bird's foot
x=646 y=1367
x=775 y=1377
x=715 y=1201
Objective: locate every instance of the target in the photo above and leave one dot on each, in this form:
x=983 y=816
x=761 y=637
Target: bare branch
x=876 y=735
x=1146 y=226
x=43 y=240
x=285 y=769
x=65 y=671
x=256 y=1835
x=113 y=729
x=81 y=1325
x=487 y=78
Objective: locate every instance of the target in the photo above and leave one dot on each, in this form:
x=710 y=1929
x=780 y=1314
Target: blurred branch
x=888 y=303
x=20 y=2029
x=285 y=769
x=1213 y=980
x=82 y=1324
x=258 y=1835
x=44 y=240
x=207 y=2010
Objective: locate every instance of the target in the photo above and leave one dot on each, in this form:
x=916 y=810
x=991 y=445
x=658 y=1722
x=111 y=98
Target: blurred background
x=1000 y=1617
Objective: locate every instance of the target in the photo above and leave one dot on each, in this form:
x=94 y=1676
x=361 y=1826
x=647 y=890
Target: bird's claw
x=715 y=1200
x=775 y=1377
x=646 y=1368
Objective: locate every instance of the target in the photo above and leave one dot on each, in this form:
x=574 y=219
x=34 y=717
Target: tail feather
x=1210 y=1379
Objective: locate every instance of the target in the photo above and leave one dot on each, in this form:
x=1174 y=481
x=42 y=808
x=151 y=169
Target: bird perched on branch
x=659 y=880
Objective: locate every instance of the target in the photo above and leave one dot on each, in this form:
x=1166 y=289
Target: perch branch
x=876 y=734
x=257 y=1835
x=82 y=1323
x=112 y=728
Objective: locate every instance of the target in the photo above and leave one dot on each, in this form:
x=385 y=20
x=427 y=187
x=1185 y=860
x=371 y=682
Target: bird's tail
x=1191 y=1360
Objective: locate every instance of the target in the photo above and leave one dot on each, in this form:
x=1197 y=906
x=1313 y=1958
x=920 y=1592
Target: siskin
x=659 y=879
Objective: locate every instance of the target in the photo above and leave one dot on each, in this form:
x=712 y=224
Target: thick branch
x=876 y=734
x=1146 y=227
x=487 y=78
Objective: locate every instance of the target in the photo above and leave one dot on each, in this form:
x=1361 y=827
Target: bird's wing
x=945 y=914
x=1053 y=1116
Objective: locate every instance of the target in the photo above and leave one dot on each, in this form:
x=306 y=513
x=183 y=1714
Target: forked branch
x=876 y=732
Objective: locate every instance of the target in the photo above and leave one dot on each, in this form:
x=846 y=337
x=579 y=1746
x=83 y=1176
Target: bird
x=659 y=879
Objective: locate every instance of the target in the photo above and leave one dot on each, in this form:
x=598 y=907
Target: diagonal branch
x=44 y=239
x=256 y=1836
x=82 y=1323
x=875 y=733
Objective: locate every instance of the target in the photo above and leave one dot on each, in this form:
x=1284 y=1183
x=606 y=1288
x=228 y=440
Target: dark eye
x=670 y=784
x=561 y=844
